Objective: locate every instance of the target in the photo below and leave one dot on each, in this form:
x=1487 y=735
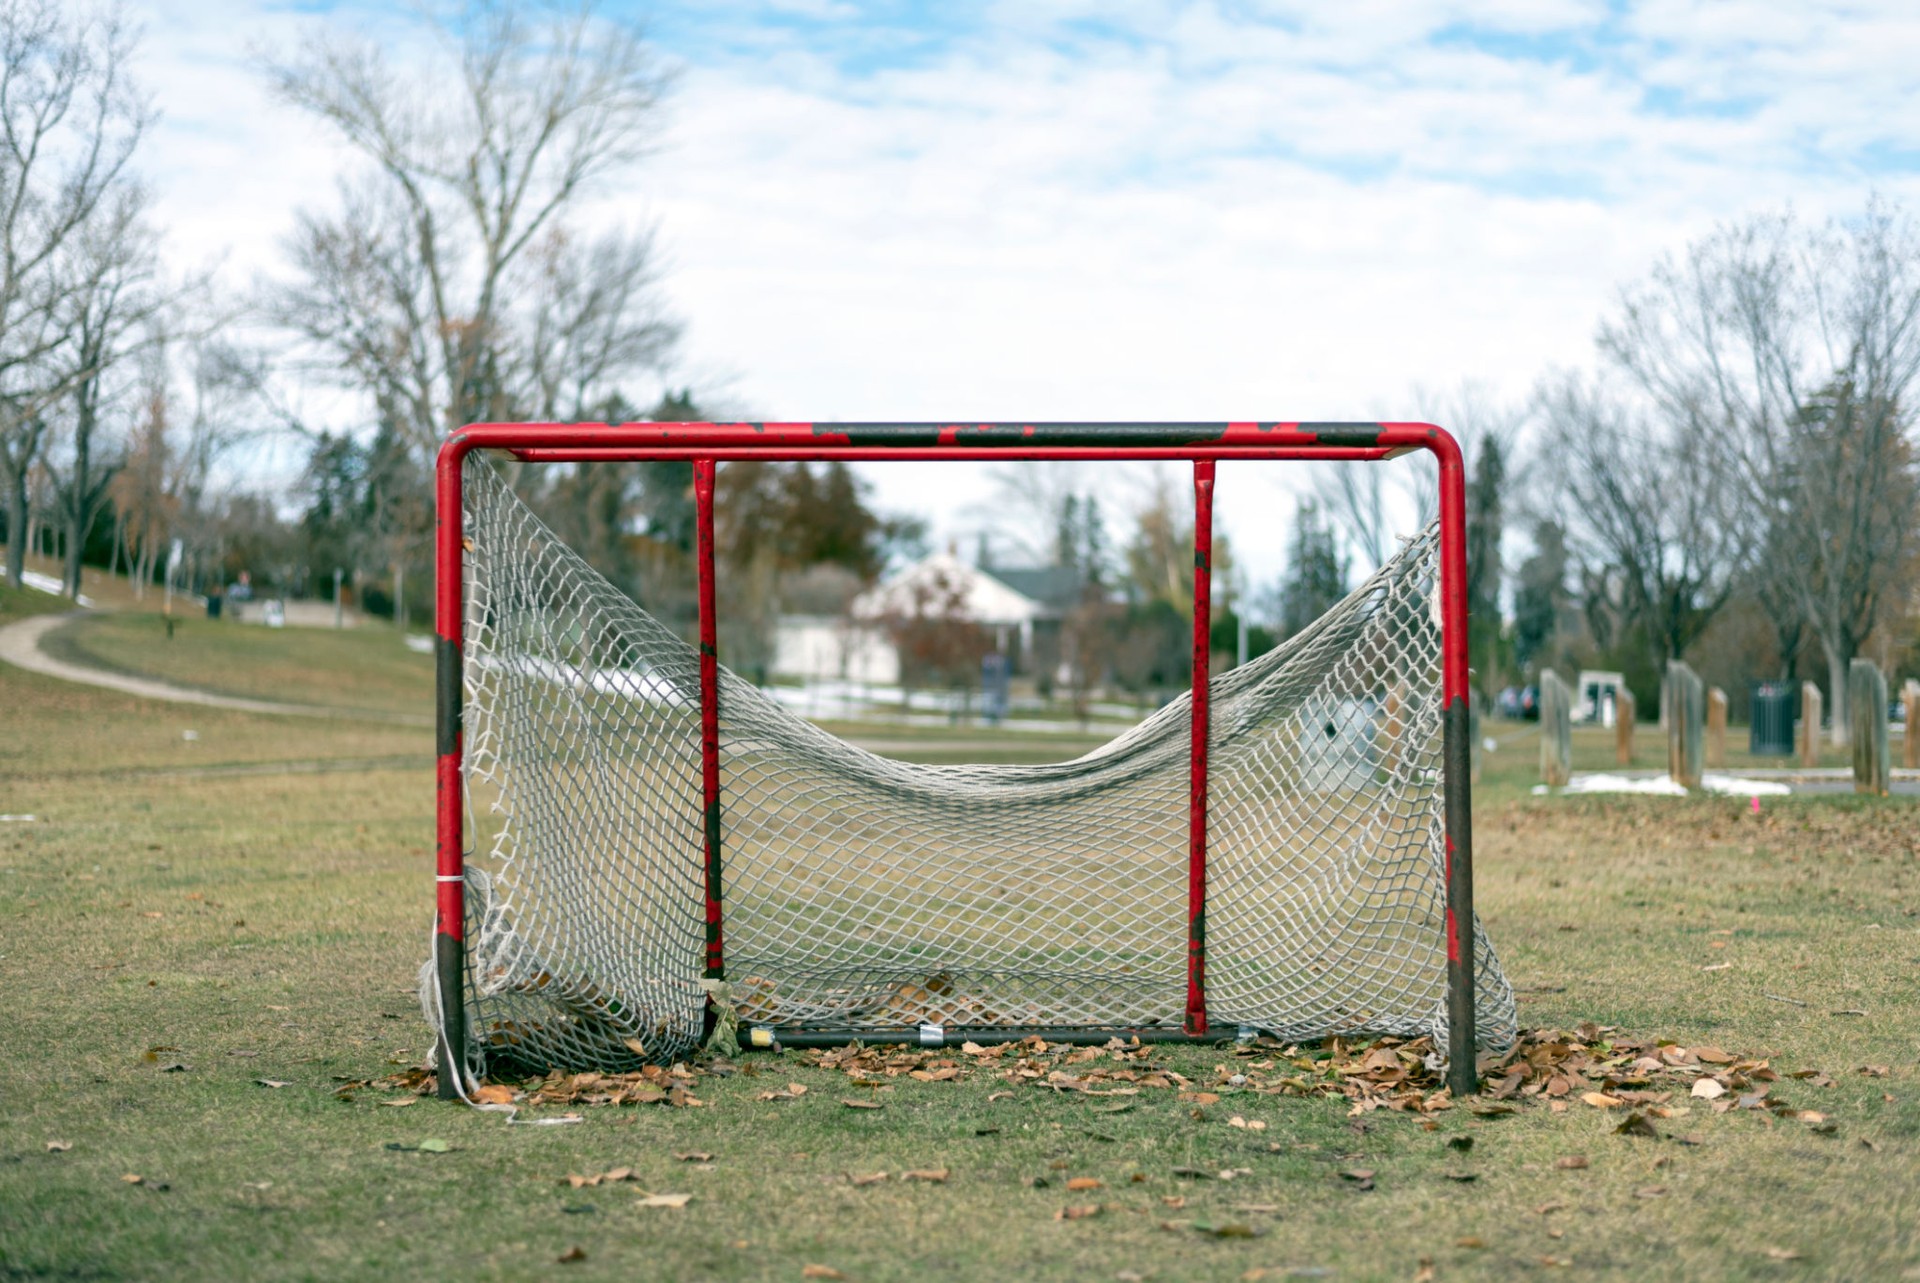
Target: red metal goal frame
x=709 y=444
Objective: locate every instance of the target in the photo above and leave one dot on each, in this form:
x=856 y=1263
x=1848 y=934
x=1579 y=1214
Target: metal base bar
x=749 y=1037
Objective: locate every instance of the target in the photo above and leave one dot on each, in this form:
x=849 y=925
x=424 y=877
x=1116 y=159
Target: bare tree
x=111 y=305
x=417 y=289
x=70 y=120
x=141 y=487
x=1662 y=532
x=1373 y=504
x=594 y=318
x=1793 y=352
x=1025 y=511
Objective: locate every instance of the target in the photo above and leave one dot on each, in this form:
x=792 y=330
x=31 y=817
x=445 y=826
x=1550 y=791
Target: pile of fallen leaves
x=1592 y=1065
x=1599 y=1067
x=650 y=1085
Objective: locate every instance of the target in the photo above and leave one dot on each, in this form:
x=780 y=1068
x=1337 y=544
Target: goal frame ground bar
x=707 y=444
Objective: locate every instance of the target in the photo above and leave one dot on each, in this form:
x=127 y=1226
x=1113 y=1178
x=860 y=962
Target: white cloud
x=1203 y=217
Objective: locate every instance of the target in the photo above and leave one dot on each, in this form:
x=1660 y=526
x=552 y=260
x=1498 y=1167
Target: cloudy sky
x=1129 y=209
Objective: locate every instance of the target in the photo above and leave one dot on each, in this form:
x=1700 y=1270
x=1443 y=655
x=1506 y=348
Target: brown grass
x=267 y=926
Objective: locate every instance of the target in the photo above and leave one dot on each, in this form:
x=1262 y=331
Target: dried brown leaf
x=820 y=1272
x=59 y=1146
x=573 y=1254
x=1079 y=1183
x=1637 y=1124
x=850 y=1103
x=1079 y=1213
x=664 y=1200
x=931 y=1175
x=1572 y=1163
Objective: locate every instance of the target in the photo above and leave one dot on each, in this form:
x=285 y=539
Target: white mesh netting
x=863 y=894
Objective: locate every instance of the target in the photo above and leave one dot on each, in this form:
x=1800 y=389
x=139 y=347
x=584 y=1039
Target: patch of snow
x=1734 y=786
x=1602 y=782
x=48 y=584
x=1665 y=786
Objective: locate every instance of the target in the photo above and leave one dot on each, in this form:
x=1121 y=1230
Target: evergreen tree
x=666 y=485
x=1539 y=595
x=1316 y=577
x=1484 y=495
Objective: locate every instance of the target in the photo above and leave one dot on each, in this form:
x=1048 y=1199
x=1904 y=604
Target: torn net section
x=863 y=894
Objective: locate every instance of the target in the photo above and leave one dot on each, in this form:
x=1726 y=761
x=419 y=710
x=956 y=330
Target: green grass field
x=251 y=906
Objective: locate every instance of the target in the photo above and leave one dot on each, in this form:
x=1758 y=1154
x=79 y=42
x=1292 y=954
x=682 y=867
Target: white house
x=856 y=648
x=830 y=648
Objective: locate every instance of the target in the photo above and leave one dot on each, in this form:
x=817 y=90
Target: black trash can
x=1773 y=716
x=213 y=605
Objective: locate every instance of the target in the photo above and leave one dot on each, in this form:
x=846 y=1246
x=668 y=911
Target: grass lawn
x=251 y=906
x=361 y=668
x=19 y=603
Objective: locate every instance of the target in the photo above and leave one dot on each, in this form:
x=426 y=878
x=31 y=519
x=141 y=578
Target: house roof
x=984 y=598
x=1057 y=586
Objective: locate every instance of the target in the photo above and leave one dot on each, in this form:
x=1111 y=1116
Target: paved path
x=20 y=646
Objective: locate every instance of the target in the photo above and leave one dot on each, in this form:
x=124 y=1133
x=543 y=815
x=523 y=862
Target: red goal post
x=1204 y=445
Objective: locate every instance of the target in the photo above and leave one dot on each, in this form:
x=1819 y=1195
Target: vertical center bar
x=709 y=715
x=1197 y=774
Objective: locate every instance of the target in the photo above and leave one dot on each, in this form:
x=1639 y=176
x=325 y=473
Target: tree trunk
x=1837 y=665
x=75 y=546
x=16 y=527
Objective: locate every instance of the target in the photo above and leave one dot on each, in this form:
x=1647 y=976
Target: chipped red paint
x=448 y=533
x=1196 y=1023
x=703 y=472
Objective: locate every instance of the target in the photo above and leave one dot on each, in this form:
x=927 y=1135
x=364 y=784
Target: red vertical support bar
x=449 y=944
x=1197 y=758
x=1463 y=1075
x=703 y=470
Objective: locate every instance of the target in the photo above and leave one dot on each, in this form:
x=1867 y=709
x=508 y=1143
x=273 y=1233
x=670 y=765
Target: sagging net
x=867 y=895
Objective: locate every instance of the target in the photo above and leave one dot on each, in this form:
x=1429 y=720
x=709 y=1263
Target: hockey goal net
x=646 y=840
